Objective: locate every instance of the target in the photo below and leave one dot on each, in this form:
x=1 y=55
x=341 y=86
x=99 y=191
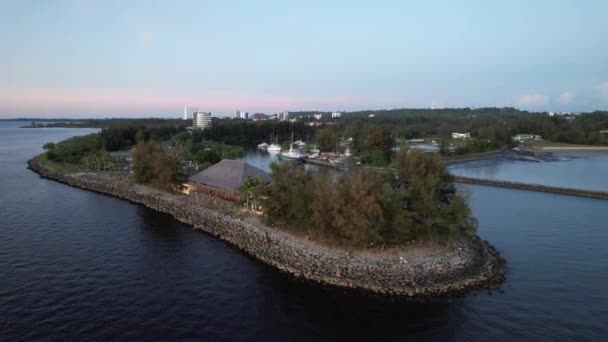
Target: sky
x=79 y=58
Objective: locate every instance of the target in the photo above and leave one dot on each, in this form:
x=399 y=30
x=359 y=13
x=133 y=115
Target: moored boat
x=292 y=154
x=273 y=148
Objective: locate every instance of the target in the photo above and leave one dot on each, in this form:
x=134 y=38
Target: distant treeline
x=372 y=137
x=490 y=128
x=105 y=123
x=495 y=124
x=248 y=133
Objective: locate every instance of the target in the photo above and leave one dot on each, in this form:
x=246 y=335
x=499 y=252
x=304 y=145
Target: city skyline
x=112 y=59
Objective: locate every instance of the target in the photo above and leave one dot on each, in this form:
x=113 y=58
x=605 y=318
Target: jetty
x=533 y=187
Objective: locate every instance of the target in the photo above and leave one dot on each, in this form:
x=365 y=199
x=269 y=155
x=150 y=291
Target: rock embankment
x=470 y=263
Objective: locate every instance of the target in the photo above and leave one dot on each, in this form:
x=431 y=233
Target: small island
x=403 y=230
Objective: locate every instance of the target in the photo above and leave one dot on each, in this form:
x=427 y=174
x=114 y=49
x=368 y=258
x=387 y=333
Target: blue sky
x=150 y=58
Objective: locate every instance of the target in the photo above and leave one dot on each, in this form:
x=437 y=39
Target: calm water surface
x=583 y=170
x=78 y=265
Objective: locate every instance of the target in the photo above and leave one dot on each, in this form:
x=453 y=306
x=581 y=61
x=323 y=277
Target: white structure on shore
x=201 y=120
x=522 y=138
x=282 y=115
x=189 y=112
x=456 y=135
x=336 y=115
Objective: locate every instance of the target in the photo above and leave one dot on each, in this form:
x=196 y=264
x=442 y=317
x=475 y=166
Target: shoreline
x=469 y=263
x=473 y=156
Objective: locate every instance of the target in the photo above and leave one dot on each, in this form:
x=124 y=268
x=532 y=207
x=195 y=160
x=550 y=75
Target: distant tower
x=237 y=114
x=246 y=115
x=188 y=112
x=201 y=120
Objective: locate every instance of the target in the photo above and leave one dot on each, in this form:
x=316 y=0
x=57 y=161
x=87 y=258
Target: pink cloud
x=152 y=102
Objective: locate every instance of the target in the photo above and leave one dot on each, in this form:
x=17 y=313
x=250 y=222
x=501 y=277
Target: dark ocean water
x=76 y=265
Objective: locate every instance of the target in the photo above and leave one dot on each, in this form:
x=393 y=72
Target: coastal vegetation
x=157 y=166
x=327 y=139
x=160 y=153
x=248 y=133
x=195 y=147
x=370 y=208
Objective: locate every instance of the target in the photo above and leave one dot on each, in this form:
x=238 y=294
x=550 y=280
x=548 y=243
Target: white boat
x=273 y=148
x=292 y=154
x=263 y=146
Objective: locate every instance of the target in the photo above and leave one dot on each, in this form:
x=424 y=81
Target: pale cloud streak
x=566 y=98
x=603 y=89
x=533 y=100
x=144 y=34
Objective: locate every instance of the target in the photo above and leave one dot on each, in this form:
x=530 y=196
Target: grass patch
x=57 y=166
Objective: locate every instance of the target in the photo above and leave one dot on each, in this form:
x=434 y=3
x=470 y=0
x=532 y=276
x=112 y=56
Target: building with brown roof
x=224 y=179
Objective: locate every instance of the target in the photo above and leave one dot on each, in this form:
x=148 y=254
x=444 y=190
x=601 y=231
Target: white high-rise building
x=188 y=112
x=282 y=115
x=201 y=120
x=238 y=115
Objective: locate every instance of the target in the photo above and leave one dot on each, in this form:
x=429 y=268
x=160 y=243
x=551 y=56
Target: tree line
x=417 y=202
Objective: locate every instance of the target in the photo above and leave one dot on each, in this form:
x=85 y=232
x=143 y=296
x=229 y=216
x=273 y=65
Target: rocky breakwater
x=469 y=263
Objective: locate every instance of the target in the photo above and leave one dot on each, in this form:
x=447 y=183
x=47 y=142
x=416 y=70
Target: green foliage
x=327 y=139
x=370 y=207
x=377 y=158
x=251 y=133
x=124 y=137
x=345 y=212
x=74 y=149
x=288 y=197
x=156 y=166
x=194 y=147
x=118 y=138
x=251 y=192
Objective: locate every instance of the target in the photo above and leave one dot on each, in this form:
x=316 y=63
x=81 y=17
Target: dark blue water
x=77 y=265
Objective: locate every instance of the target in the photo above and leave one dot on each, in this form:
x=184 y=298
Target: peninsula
x=406 y=234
